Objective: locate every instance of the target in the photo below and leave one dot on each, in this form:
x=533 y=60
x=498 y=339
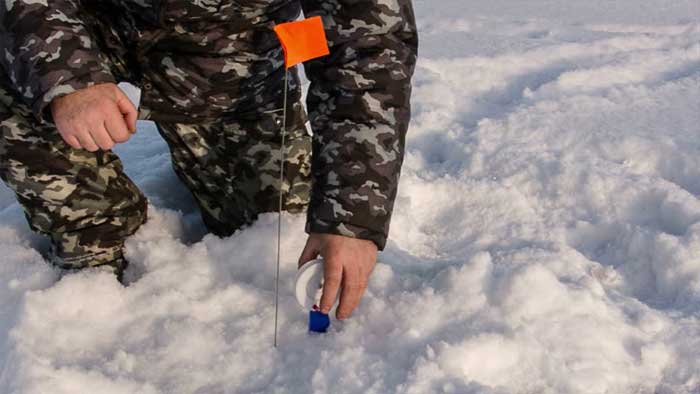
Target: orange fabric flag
x=302 y=40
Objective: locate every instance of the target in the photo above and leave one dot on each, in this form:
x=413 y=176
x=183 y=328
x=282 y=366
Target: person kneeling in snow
x=211 y=74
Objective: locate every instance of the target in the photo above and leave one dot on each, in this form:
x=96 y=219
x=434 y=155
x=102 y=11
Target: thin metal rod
x=279 y=216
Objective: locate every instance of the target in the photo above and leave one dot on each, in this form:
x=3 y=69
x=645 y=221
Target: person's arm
x=359 y=110
x=52 y=61
x=48 y=52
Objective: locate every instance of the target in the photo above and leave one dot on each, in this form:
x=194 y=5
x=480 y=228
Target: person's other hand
x=347 y=264
x=94 y=118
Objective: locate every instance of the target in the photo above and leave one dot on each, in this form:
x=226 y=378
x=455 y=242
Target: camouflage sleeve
x=47 y=51
x=359 y=110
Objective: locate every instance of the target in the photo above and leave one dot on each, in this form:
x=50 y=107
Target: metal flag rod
x=279 y=213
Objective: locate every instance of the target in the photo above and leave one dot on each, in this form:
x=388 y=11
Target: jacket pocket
x=216 y=10
x=193 y=10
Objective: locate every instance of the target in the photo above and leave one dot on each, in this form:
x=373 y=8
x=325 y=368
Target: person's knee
x=82 y=200
x=80 y=242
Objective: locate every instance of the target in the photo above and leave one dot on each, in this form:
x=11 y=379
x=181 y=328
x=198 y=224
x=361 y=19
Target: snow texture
x=546 y=238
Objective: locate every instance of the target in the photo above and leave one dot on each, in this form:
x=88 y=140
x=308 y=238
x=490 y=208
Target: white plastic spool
x=309 y=284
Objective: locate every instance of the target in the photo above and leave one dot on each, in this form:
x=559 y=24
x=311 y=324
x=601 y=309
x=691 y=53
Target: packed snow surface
x=546 y=237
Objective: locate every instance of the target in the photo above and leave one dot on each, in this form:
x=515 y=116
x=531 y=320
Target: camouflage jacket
x=212 y=58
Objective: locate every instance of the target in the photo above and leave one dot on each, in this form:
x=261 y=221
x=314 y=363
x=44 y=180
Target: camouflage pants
x=86 y=204
x=233 y=167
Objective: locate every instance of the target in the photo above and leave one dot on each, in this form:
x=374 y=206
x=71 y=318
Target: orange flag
x=302 y=40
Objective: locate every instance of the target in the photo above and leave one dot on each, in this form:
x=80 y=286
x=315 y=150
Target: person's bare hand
x=94 y=118
x=347 y=264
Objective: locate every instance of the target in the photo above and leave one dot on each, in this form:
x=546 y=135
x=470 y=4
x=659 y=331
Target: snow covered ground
x=546 y=238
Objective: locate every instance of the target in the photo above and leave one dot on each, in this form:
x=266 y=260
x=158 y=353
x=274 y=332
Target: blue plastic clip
x=318 y=322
